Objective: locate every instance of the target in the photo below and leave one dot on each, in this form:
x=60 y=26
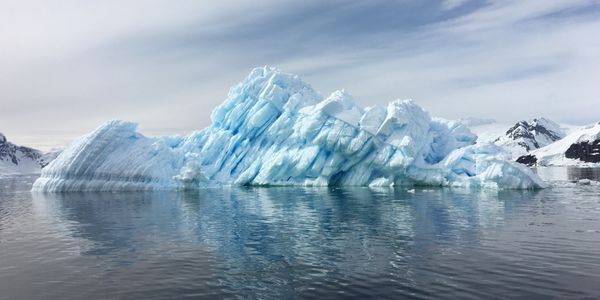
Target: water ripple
x=275 y=243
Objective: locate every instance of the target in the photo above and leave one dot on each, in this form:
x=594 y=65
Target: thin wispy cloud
x=66 y=66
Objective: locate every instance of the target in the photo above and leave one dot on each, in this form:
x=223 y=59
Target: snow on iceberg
x=274 y=129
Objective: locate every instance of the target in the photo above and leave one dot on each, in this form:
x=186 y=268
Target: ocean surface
x=316 y=243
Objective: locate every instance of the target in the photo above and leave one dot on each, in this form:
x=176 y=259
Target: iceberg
x=275 y=130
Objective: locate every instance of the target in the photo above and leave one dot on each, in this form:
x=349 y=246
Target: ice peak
x=265 y=88
x=2 y=138
x=341 y=105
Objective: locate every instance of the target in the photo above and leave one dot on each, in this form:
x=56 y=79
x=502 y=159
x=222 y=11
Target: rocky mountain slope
x=520 y=138
x=526 y=136
x=16 y=159
x=580 y=147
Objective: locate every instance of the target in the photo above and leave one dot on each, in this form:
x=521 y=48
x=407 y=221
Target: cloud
x=452 y=4
x=66 y=66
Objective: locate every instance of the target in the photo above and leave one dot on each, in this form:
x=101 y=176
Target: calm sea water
x=277 y=243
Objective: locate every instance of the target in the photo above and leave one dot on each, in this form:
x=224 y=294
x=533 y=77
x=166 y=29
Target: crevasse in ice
x=274 y=129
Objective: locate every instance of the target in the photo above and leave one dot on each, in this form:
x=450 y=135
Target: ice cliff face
x=274 y=129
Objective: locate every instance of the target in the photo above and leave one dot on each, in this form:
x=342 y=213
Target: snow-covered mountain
x=274 y=129
x=526 y=136
x=580 y=147
x=520 y=138
x=22 y=160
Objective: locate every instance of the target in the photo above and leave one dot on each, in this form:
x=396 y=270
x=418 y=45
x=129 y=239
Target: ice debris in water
x=573 y=183
x=274 y=129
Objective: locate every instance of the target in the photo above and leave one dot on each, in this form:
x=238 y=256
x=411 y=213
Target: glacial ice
x=274 y=129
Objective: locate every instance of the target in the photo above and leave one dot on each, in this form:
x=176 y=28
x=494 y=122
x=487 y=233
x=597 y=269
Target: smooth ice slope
x=274 y=129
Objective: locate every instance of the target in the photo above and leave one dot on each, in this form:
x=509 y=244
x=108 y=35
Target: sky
x=66 y=66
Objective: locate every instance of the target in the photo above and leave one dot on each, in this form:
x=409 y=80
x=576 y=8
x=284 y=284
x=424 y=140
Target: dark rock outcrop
x=528 y=159
x=585 y=151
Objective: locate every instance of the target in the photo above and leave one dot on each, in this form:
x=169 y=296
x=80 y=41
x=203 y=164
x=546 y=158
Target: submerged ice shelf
x=274 y=129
